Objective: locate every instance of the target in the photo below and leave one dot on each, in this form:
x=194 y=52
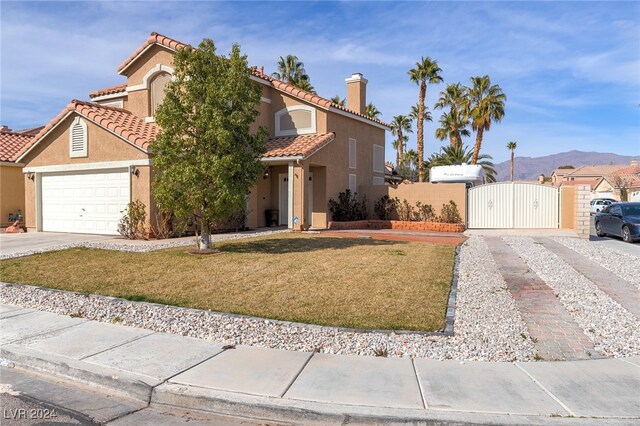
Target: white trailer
x=471 y=174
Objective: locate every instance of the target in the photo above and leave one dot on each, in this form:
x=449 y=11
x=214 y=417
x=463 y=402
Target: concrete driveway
x=17 y=243
x=612 y=242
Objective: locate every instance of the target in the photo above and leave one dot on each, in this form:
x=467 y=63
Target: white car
x=598 y=204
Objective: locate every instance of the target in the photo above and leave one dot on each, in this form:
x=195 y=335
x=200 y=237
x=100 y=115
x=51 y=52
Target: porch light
x=31 y=175
x=266 y=173
x=134 y=171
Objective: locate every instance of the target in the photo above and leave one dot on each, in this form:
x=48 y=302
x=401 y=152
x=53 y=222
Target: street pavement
x=137 y=369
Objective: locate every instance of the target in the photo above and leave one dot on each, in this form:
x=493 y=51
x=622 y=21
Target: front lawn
x=348 y=282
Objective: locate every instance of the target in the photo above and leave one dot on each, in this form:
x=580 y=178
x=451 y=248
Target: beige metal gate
x=513 y=205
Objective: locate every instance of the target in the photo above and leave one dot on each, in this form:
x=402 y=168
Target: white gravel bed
x=622 y=264
x=488 y=326
x=614 y=330
x=142 y=247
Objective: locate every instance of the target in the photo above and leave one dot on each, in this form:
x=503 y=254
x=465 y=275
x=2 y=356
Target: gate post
x=582 y=216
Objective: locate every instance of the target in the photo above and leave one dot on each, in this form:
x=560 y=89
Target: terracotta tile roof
x=11 y=143
x=32 y=131
x=109 y=90
x=301 y=145
x=308 y=96
x=591 y=182
x=120 y=121
x=154 y=38
x=595 y=170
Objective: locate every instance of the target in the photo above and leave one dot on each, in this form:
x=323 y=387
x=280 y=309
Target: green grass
x=347 y=282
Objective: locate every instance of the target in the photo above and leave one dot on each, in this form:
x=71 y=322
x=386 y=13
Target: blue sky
x=571 y=70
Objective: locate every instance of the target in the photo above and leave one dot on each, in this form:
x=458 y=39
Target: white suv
x=598 y=204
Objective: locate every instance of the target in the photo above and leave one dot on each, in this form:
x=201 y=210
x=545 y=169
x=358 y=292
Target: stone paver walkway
x=618 y=289
x=556 y=334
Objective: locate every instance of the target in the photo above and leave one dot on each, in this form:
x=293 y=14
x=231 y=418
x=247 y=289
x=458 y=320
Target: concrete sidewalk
x=313 y=388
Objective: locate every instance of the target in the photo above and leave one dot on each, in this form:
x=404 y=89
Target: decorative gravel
x=614 y=330
x=487 y=324
x=142 y=247
x=622 y=264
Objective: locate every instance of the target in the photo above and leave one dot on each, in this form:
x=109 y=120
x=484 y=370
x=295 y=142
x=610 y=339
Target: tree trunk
x=421 y=96
x=400 y=148
x=476 y=148
x=204 y=242
x=512 y=165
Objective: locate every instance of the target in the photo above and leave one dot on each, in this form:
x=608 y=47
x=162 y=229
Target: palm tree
x=409 y=167
x=291 y=70
x=451 y=155
x=400 y=126
x=371 y=111
x=425 y=71
x=512 y=146
x=414 y=113
x=486 y=104
x=336 y=100
x=452 y=127
x=454 y=123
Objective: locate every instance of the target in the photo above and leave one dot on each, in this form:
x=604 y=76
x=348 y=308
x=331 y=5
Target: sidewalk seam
x=547 y=391
x=297 y=375
x=23 y=339
x=117 y=346
x=425 y=405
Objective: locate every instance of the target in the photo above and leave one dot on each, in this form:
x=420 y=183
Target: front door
x=284 y=198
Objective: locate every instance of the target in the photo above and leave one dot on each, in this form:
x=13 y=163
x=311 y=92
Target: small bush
x=450 y=213
x=385 y=207
x=164 y=224
x=132 y=223
x=348 y=207
x=424 y=212
x=405 y=211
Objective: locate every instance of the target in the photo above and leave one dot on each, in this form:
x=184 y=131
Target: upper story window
x=296 y=120
x=352 y=153
x=156 y=90
x=378 y=158
x=78 y=138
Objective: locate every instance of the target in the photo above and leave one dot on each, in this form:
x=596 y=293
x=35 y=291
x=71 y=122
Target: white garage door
x=84 y=202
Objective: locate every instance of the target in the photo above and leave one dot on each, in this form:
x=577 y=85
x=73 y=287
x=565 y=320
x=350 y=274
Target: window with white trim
x=156 y=90
x=78 y=138
x=377 y=180
x=378 y=158
x=352 y=153
x=295 y=120
x=353 y=187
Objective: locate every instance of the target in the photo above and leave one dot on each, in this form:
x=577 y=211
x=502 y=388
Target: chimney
x=357 y=93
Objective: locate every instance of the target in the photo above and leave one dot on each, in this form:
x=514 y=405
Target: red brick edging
x=399 y=225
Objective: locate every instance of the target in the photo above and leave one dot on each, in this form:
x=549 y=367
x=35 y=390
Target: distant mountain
x=529 y=168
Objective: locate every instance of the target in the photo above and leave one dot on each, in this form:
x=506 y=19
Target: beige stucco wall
x=11 y=192
x=567 y=207
x=425 y=192
x=102 y=146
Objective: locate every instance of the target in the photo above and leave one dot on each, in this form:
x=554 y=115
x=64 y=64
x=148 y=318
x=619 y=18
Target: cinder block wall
x=427 y=193
x=582 y=217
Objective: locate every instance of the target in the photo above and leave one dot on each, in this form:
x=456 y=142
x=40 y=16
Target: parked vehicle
x=471 y=174
x=621 y=220
x=599 y=204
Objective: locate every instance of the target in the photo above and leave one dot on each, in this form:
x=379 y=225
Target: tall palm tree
x=451 y=155
x=414 y=113
x=291 y=70
x=409 y=168
x=512 y=145
x=454 y=123
x=486 y=105
x=338 y=101
x=400 y=126
x=425 y=71
x=371 y=111
x=452 y=127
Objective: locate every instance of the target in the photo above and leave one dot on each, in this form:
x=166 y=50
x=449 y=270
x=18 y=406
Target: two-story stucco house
x=86 y=164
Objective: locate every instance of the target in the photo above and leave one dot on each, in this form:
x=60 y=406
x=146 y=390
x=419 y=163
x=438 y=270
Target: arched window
x=296 y=120
x=156 y=89
x=78 y=138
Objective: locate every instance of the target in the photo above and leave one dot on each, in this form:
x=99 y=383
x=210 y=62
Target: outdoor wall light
x=266 y=173
x=31 y=175
x=134 y=171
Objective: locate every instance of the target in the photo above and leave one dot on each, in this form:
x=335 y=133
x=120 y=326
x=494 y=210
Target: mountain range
x=529 y=168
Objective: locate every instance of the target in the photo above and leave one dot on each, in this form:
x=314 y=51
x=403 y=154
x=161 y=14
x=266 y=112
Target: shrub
x=449 y=213
x=385 y=207
x=424 y=212
x=132 y=223
x=348 y=207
